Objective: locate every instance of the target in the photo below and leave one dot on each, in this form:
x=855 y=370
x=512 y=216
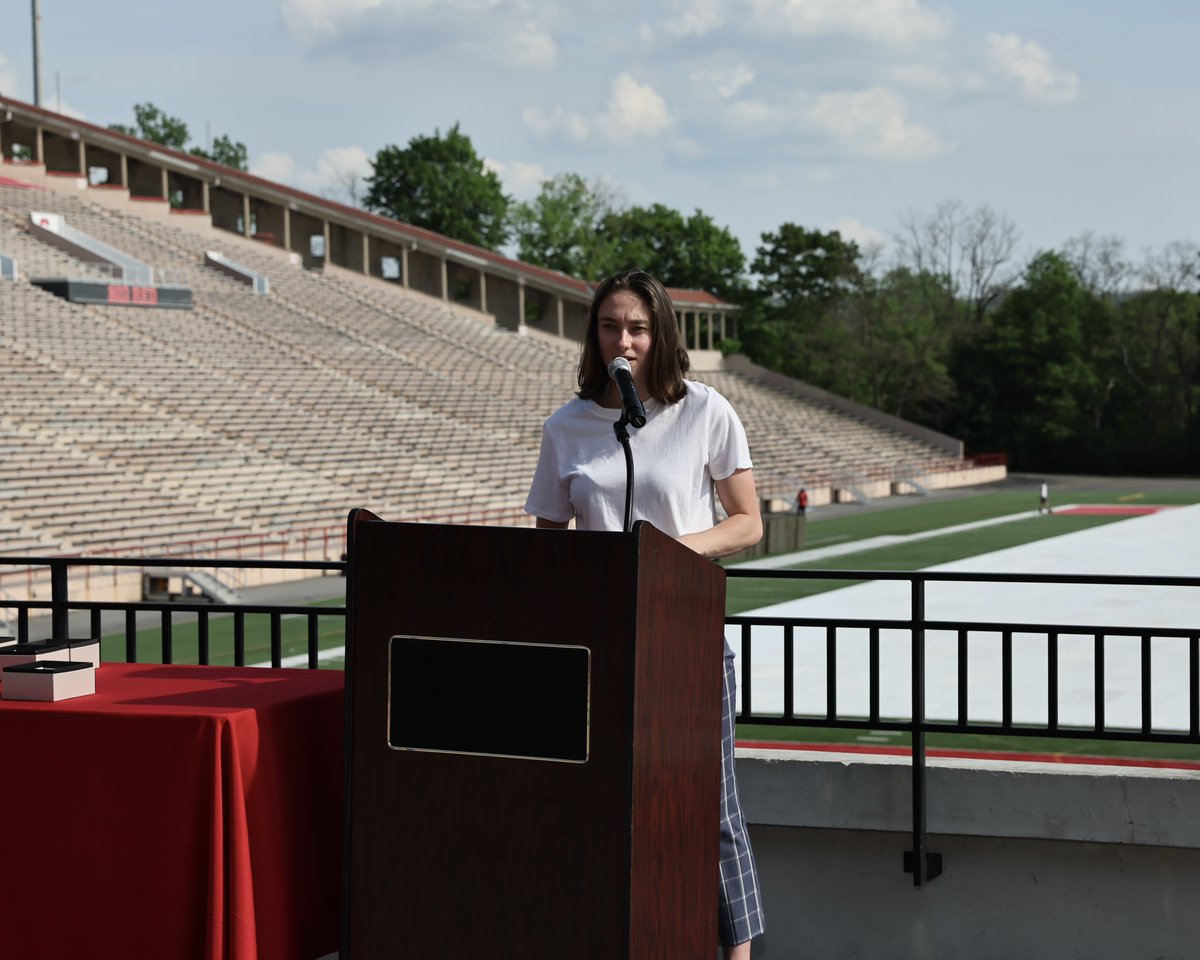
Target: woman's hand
x=742 y=527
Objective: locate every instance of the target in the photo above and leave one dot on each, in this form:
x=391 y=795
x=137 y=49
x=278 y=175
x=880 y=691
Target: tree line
x=1075 y=359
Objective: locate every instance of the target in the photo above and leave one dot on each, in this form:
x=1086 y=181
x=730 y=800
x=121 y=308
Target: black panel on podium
x=533 y=744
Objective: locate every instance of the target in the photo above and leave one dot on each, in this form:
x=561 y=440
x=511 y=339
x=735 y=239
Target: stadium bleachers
x=247 y=415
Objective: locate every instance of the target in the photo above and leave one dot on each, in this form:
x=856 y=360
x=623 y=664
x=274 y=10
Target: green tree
x=1029 y=384
x=901 y=348
x=796 y=321
x=441 y=184
x=225 y=151
x=150 y=123
x=805 y=270
x=691 y=253
x=964 y=256
x=1156 y=403
x=560 y=228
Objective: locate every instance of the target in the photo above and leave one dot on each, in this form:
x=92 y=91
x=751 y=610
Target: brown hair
x=668 y=359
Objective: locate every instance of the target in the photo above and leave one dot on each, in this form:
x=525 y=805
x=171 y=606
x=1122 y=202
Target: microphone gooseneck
x=622 y=375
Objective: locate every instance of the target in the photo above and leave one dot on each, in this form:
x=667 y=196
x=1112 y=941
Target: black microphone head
x=619 y=363
x=625 y=386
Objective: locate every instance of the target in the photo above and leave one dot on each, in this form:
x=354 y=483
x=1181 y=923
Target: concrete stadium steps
x=333 y=391
x=319 y=448
x=121 y=431
x=79 y=505
x=805 y=439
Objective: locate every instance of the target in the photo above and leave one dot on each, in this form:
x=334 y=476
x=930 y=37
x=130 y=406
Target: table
x=180 y=812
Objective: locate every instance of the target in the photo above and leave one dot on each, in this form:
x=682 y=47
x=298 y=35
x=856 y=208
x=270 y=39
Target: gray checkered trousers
x=740 y=915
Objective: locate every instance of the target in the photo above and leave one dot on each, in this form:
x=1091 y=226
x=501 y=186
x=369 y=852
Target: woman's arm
x=740 y=529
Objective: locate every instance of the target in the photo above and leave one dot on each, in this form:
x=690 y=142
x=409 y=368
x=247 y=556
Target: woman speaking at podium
x=699 y=446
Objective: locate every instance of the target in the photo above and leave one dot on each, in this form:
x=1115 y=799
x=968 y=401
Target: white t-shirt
x=677 y=455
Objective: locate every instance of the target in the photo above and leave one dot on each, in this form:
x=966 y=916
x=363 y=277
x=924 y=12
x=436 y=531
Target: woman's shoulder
x=572 y=414
x=702 y=395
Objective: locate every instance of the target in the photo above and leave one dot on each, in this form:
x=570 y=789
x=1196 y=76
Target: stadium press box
x=49 y=680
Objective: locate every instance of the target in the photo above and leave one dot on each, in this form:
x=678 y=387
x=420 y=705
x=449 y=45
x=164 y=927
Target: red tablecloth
x=180 y=812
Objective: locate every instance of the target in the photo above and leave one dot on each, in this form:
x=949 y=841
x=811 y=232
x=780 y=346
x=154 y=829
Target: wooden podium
x=533 y=722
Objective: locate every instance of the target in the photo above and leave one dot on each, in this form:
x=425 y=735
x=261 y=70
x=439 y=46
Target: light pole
x=37 y=52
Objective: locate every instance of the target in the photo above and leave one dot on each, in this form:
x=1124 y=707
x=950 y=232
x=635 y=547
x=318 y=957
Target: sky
x=854 y=115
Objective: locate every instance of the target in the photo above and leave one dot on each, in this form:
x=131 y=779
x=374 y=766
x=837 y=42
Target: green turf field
x=748 y=594
x=331 y=632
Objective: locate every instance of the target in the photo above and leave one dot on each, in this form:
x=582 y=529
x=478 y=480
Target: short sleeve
x=549 y=493
x=728 y=449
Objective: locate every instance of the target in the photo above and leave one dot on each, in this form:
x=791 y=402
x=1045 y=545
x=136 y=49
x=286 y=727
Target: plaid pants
x=739 y=914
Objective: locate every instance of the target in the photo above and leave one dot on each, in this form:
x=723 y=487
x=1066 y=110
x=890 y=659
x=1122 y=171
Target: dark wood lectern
x=533 y=744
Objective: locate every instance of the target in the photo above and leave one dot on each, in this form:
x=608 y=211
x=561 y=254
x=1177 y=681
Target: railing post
x=59 y=615
x=923 y=865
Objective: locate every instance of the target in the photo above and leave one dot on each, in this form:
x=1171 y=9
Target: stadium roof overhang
x=62 y=146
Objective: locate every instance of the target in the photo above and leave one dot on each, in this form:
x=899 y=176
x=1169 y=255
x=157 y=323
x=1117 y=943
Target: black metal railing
x=921 y=863
x=60 y=605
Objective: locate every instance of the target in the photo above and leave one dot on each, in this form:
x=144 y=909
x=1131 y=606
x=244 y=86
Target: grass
x=185 y=639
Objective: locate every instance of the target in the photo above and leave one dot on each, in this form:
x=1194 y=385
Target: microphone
x=621 y=374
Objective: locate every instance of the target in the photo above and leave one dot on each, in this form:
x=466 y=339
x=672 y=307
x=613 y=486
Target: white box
x=31 y=652
x=49 y=680
x=85 y=650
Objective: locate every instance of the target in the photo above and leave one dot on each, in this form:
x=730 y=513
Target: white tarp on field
x=1163 y=544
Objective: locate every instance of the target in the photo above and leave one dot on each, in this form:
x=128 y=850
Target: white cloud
x=522 y=181
x=696 y=17
x=687 y=148
x=889 y=22
x=924 y=76
x=851 y=228
x=513 y=33
x=860 y=123
x=723 y=82
x=633 y=111
x=526 y=46
x=338 y=173
x=755 y=116
x=871 y=123
x=1027 y=65
x=273 y=166
x=556 y=122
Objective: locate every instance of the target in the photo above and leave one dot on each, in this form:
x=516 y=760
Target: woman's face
x=623 y=330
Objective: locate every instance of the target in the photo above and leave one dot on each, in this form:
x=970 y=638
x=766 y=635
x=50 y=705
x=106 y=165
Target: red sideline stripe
x=8 y=182
x=971 y=754
x=1111 y=510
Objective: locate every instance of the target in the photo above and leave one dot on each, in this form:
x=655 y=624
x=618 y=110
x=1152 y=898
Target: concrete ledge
x=983 y=798
x=1041 y=861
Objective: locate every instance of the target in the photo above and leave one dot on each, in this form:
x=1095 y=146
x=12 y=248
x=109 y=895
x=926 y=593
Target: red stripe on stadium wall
x=970 y=754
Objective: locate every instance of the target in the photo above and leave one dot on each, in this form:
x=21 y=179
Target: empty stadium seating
x=131 y=429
